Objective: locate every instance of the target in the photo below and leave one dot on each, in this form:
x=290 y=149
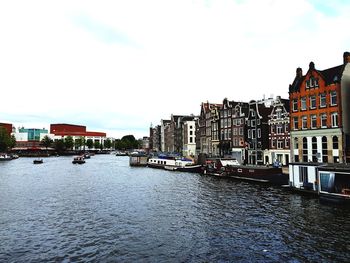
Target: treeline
x=6 y=141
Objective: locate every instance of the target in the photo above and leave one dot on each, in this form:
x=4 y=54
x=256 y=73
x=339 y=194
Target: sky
x=120 y=66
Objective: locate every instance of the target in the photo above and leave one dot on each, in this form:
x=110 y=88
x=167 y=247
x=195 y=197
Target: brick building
x=316 y=113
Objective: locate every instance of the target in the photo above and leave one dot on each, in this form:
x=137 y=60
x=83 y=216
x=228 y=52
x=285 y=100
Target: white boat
x=174 y=164
x=5 y=157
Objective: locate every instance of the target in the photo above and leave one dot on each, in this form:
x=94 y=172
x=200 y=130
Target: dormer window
x=312 y=82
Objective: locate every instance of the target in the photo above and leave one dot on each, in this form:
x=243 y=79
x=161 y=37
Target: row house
x=169 y=145
x=163 y=132
x=189 y=136
x=209 y=129
x=317 y=115
x=232 y=129
x=155 y=138
x=239 y=131
x=279 y=132
x=258 y=131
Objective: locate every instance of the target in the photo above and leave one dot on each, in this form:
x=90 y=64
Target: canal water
x=106 y=211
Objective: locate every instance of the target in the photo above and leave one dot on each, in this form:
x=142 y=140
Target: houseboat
x=303 y=177
x=174 y=164
x=138 y=159
x=232 y=169
x=334 y=183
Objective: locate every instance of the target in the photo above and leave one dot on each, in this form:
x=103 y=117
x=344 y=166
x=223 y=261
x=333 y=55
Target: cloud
x=121 y=65
x=105 y=33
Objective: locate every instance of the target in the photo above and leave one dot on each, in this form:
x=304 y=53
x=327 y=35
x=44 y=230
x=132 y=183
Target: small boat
x=78 y=160
x=121 y=154
x=5 y=157
x=38 y=161
x=87 y=156
x=174 y=164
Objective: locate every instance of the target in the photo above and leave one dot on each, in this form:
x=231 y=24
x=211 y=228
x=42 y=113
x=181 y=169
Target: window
x=252 y=123
x=279 y=129
x=313 y=122
x=279 y=114
x=272 y=128
x=287 y=143
x=323 y=120
x=253 y=134
x=304 y=122
x=305 y=150
x=313 y=102
x=258 y=122
x=296 y=123
x=241 y=131
x=296 y=144
x=295 y=105
x=334 y=117
x=235 y=131
x=333 y=98
x=191 y=132
x=323 y=100
x=229 y=122
x=279 y=144
x=324 y=150
x=273 y=143
x=335 y=143
x=314 y=149
x=303 y=174
x=229 y=134
x=191 y=139
x=259 y=133
x=303 y=103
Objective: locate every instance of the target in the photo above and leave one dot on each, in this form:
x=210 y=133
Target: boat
x=38 y=161
x=138 y=159
x=78 y=160
x=87 y=155
x=171 y=163
x=333 y=183
x=121 y=154
x=230 y=168
x=5 y=157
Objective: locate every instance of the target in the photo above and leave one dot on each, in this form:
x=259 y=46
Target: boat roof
x=335 y=167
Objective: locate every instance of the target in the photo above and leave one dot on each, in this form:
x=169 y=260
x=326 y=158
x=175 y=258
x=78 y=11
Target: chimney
x=299 y=72
x=312 y=65
x=346 y=57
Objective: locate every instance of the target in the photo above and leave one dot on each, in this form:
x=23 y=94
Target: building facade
x=209 y=129
x=63 y=130
x=240 y=132
x=258 y=132
x=7 y=127
x=316 y=115
x=189 y=137
x=279 y=133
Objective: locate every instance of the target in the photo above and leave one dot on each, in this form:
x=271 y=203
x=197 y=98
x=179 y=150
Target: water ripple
x=106 y=211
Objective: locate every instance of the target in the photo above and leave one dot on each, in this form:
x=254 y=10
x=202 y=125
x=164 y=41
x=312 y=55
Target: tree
x=108 y=144
x=78 y=143
x=69 y=143
x=5 y=140
x=89 y=143
x=97 y=145
x=46 y=141
x=59 y=145
x=130 y=142
x=12 y=141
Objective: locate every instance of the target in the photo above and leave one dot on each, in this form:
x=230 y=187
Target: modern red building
x=63 y=129
x=7 y=126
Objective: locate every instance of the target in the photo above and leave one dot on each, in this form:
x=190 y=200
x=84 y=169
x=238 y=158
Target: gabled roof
x=330 y=75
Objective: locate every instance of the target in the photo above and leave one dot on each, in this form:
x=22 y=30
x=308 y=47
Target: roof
x=330 y=75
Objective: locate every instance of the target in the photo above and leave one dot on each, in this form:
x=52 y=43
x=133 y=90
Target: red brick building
x=316 y=115
x=63 y=129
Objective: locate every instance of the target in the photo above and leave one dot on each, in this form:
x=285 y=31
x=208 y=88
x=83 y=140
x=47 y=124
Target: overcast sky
x=118 y=66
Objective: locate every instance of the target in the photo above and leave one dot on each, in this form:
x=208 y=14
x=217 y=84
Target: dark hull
x=37 y=161
x=336 y=199
x=258 y=174
x=188 y=169
x=78 y=162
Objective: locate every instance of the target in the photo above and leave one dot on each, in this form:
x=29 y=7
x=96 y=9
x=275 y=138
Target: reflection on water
x=105 y=210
